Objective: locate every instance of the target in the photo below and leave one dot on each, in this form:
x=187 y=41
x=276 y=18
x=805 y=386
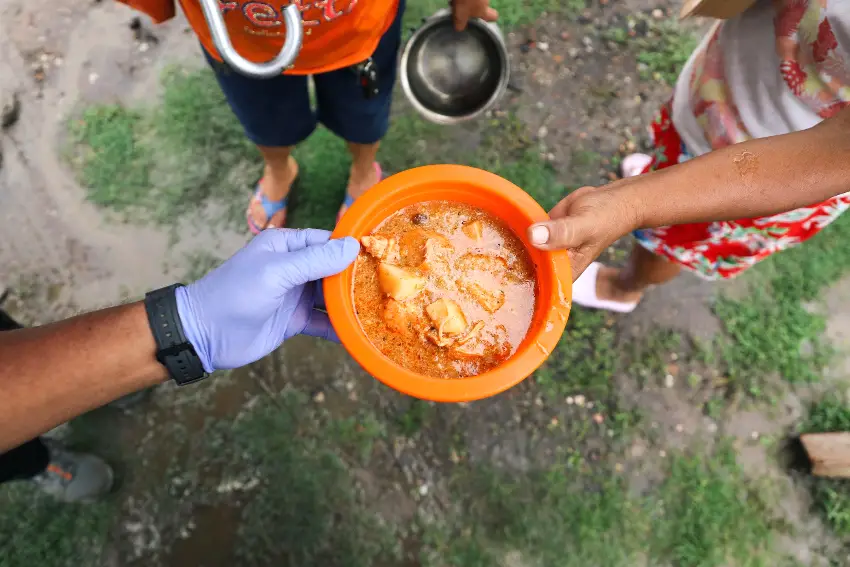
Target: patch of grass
x=546 y=516
x=584 y=360
x=709 y=515
x=417 y=415
x=182 y=159
x=35 y=529
x=665 y=51
x=831 y=496
x=704 y=513
x=307 y=510
x=771 y=330
x=648 y=359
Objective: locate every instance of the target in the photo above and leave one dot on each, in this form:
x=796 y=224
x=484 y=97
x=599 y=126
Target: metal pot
x=452 y=76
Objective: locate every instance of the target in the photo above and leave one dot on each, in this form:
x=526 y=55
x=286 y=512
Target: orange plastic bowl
x=490 y=193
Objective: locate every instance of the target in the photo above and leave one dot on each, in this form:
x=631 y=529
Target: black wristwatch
x=173 y=350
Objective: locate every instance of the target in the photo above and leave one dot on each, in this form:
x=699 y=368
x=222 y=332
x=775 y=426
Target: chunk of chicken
x=441 y=341
x=398 y=283
x=483 y=262
x=382 y=248
x=447 y=317
x=414 y=245
x=403 y=317
x=474 y=230
x=490 y=299
x=472 y=333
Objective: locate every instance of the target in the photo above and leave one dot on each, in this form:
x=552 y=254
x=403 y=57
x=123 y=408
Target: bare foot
x=275 y=185
x=608 y=287
x=358 y=183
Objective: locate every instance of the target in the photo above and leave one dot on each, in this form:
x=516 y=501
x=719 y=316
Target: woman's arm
x=752 y=179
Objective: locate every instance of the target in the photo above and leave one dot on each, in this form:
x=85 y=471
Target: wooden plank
x=829 y=453
x=720 y=9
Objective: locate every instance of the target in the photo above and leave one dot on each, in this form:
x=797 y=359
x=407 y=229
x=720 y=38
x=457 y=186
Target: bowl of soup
x=447 y=300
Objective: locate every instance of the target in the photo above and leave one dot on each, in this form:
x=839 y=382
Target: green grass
x=547 y=516
x=770 y=331
x=704 y=513
x=184 y=159
x=37 y=530
x=585 y=359
x=709 y=515
x=831 y=496
x=307 y=510
x=664 y=52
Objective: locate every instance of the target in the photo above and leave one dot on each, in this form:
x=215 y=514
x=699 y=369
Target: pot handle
x=269 y=69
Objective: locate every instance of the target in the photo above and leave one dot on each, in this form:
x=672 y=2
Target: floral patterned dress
x=806 y=80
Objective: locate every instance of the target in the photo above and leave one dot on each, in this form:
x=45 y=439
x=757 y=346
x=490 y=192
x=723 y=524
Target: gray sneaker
x=74 y=477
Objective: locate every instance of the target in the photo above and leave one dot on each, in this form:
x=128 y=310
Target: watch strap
x=173 y=349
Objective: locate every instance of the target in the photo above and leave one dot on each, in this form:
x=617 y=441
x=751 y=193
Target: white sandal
x=634 y=164
x=584 y=293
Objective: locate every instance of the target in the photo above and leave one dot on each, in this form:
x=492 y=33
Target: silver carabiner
x=269 y=69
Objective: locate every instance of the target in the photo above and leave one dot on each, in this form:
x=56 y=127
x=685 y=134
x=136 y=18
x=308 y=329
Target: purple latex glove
x=266 y=293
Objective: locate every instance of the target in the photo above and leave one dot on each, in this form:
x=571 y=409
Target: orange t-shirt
x=337 y=33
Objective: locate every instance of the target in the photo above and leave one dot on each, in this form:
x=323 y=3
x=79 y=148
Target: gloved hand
x=266 y=293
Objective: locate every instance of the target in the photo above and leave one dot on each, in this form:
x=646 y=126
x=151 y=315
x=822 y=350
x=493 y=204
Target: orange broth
x=461 y=294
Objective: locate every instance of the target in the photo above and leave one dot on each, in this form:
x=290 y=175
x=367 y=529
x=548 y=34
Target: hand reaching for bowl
x=584 y=224
x=463 y=10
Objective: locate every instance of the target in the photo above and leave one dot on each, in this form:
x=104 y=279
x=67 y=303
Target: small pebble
x=754 y=435
x=543 y=46
x=423 y=490
x=540 y=105
x=658 y=13
x=319 y=397
x=93 y=77
x=618 y=467
x=588 y=42
x=542 y=131
x=679 y=428
x=662 y=453
x=712 y=427
x=570 y=400
x=144 y=46
x=669 y=381
x=589 y=405
x=554 y=421
x=573 y=52
x=579 y=400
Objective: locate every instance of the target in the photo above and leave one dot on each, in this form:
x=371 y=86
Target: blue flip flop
x=349 y=200
x=269 y=207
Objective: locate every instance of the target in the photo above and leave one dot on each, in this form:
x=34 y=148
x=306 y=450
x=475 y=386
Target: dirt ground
x=192 y=461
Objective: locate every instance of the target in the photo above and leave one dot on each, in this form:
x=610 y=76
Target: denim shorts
x=277 y=112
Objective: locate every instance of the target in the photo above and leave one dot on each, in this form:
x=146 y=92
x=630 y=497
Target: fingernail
x=539 y=234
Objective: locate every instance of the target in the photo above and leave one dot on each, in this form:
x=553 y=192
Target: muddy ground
x=302 y=459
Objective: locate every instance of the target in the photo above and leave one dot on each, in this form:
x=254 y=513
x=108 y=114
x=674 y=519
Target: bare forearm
x=752 y=179
x=52 y=373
